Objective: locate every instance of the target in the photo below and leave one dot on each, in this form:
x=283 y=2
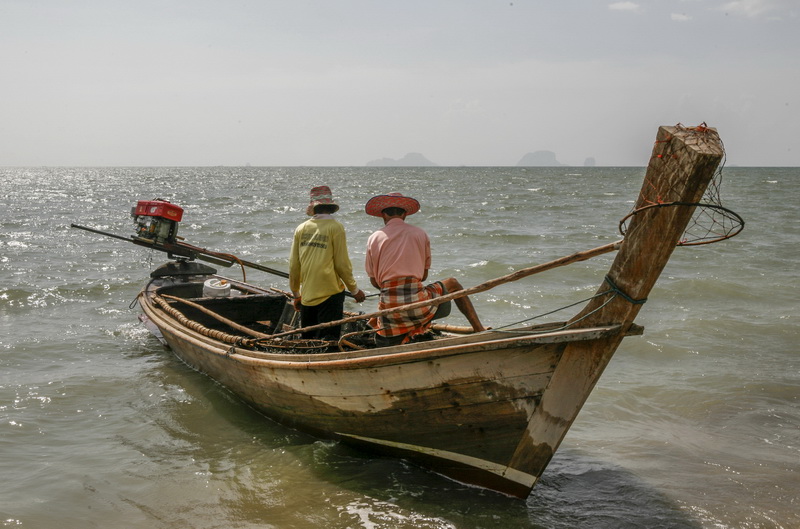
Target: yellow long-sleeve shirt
x=319 y=265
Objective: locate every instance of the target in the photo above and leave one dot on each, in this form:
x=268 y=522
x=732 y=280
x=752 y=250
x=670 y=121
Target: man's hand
x=359 y=296
x=296 y=303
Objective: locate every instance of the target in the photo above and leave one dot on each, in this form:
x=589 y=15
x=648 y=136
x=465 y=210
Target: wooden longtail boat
x=490 y=408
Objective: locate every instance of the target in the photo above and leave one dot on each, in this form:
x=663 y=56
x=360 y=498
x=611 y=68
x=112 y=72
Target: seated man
x=398 y=259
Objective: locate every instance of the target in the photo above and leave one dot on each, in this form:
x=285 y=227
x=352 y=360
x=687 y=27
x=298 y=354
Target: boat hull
x=459 y=407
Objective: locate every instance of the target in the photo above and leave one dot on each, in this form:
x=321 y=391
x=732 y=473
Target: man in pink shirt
x=398 y=260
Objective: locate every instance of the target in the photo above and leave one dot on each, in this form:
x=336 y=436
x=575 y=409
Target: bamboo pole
x=197 y=327
x=492 y=283
x=220 y=318
x=455 y=329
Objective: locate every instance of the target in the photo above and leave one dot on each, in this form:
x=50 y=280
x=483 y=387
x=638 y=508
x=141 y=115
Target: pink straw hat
x=320 y=195
x=393 y=200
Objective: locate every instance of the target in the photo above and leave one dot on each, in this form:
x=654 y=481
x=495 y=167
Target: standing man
x=320 y=268
x=398 y=260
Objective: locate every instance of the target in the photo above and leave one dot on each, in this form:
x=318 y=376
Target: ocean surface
x=695 y=424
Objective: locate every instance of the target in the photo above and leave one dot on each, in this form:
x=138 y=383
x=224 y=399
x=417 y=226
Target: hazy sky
x=343 y=82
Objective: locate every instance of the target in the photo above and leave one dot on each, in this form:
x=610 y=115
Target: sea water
x=695 y=424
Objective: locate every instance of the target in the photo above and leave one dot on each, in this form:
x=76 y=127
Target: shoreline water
x=694 y=424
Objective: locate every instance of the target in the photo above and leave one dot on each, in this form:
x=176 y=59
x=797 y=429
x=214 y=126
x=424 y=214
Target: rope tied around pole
x=626 y=297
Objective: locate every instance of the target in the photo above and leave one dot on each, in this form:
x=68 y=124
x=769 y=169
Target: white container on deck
x=216 y=288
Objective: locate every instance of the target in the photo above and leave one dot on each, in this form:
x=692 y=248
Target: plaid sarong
x=402 y=291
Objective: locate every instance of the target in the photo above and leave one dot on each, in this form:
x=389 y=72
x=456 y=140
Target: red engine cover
x=159 y=208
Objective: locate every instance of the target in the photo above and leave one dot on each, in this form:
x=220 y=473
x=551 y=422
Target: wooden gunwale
x=368 y=358
x=385 y=359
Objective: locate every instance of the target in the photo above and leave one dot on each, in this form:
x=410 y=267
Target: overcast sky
x=343 y=82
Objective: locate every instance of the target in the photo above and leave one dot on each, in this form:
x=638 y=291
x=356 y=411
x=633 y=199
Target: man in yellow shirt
x=320 y=268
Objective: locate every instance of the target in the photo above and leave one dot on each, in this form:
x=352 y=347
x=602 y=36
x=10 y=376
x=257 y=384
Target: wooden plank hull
x=488 y=409
x=458 y=408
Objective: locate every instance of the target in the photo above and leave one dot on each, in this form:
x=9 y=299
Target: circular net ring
x=710 y=222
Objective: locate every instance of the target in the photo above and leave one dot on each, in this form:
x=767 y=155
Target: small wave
x=16 y=244
x=369 y=513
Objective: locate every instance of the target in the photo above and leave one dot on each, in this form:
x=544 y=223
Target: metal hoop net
x=279 y=346
x=711 y=221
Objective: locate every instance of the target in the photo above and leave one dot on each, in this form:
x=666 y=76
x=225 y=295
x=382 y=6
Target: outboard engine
x=157 y=220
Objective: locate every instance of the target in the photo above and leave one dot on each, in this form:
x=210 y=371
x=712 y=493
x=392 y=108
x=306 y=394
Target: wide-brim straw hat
x=320 y=195
x=393 y=200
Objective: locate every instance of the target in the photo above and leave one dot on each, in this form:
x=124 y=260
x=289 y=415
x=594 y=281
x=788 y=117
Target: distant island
x=539 y=159
x=532 y=159
x=412 y=159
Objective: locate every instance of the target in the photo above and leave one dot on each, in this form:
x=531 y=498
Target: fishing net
x=287 y=347
x=711 y=221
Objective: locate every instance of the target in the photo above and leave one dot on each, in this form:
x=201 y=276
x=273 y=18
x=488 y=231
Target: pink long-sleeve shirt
x=398 y=250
